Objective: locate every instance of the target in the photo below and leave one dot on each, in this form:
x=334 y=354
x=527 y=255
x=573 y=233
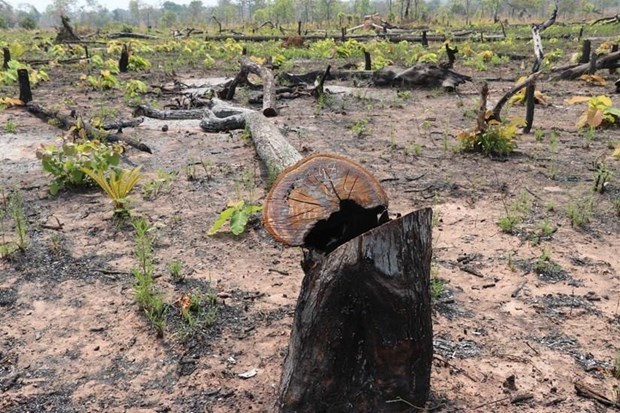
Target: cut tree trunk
x=362 y=334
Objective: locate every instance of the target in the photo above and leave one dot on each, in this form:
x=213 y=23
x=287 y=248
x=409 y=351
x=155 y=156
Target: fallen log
x=609 y=61
x=128 y=35
x=67 y=121
x=419 y=75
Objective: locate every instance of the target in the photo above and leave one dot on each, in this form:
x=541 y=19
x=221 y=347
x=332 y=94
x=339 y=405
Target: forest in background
x=321 y=13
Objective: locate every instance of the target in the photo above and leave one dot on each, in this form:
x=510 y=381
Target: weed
x=208 y=167
x=190 y=171
x=10 y=127
x=404 y=94
x=12 y=206
x=117 y=185
x=148 y=299
x=175 y=268
x=161 y=184
x=414 y=149
x=237 y=215
x=601 y=177
x=360 y=128
x=65 y=163
x=437 y=288
x=198 y=309
x=514 y=214
x=246 y=137
x=496 y=139
x=539 y=134
x=600 y=112
x=580 y=211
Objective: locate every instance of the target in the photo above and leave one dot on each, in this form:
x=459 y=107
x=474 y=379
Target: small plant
x=602 y=175
x=404 y=94
x=580 y=211
x=437 y=288
x=175 y=268
x=496 y=139
x=10 y=127
x=198 y=310
x=12 y=206
x=149 y=300
x=161 y=184
x=117 y=185
x=237 y=215
x=600 y=112
x=360 y=128
x=539 y=134
x=106 y=80
x=134 y=88
x=514 y=214
x=65 y=163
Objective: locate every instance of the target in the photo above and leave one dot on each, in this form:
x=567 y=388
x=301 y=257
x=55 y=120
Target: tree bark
x=585 y=51
x=362 y=334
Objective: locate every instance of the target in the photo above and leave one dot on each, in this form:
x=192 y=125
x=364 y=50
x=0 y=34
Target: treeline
x=322 y=13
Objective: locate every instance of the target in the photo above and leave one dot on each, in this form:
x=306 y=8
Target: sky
x=41 y=5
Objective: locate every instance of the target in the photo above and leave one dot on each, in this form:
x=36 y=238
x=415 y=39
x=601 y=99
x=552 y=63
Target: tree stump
x=362 y=334
x=7 y=57
x=123 y=62
x=25 y=94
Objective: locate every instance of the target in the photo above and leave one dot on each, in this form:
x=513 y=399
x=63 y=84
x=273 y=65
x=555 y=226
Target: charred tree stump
x=451 y=55
x=592 y=63
x=424 y=39
x=585 y=51
x=539 y=54
x=25 y=94
x=614 y=48
x=362 y=334
x=298 y=27
x=123 y=62
x=367 y=61
x=7 y=57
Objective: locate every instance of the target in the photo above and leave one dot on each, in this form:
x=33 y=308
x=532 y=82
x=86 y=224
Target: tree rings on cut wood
x=323 y=201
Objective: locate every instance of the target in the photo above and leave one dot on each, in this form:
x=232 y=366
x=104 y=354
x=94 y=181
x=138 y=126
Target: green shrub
x=66 y=162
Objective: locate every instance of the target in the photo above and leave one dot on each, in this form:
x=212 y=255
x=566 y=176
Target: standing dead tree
x=539 y=54
x=66 y=33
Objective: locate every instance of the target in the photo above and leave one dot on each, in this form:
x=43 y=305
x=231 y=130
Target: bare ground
x=72 y=337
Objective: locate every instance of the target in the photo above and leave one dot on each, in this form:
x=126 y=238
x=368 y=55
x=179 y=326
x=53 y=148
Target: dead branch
x=585 y=390
x=607 y=20
x=269 y=90
x=131 y=123
x=500 y=104
x=67 y=121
